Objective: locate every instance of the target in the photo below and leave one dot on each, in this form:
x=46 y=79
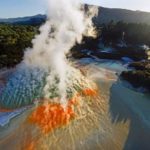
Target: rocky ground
x=139 y=76
x=136 y=56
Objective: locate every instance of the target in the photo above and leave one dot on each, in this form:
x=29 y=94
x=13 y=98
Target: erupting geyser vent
x=45 y=72
x=27 y=85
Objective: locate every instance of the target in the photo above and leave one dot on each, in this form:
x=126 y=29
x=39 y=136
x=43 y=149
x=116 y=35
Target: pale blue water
x=125 y=119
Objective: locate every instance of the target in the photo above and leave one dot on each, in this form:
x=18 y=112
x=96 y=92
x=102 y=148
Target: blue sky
x=18 y=8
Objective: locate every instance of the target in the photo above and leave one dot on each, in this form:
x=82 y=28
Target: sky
x=19 y=8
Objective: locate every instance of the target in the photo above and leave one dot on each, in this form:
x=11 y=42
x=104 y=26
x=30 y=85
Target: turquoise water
x=119 y=121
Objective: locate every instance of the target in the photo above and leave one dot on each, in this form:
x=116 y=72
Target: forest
x=131 y=33
x=14 y=39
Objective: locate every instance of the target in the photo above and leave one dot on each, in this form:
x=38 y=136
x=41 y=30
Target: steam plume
x=66 y=23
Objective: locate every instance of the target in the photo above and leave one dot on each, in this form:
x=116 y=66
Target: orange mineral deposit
x=5 y=110
x=90 y=92
x=30 y=146
x=51 y=116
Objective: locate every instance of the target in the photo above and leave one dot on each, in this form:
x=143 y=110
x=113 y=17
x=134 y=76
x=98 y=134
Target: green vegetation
x=131 y=33
x=13 y=41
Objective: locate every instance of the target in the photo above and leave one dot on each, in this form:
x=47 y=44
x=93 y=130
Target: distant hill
x=105 y=15
x=30 y=20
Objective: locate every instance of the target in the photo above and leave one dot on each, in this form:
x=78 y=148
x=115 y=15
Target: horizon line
x=85 y=3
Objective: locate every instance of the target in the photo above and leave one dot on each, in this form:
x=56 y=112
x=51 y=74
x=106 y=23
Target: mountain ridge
x=105 y=15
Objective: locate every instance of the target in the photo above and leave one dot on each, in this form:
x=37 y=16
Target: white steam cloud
x=66 y=24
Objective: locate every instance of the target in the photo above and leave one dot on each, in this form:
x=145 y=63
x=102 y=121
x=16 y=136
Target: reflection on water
x=134 y=107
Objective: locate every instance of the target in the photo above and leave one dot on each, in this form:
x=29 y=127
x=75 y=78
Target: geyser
x=45 y=72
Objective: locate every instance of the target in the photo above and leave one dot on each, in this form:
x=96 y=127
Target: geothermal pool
x=115 y=118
